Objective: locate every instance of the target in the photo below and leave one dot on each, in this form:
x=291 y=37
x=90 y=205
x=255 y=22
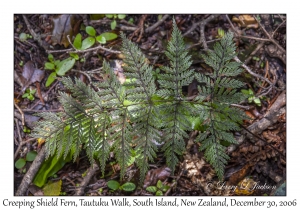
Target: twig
x=240 y=106
x=128 y=28
x=278 y=27
x=140 y=28
x=251 y=72
x=254 y=52
x=255 y=38
x=27 y=179
x=90 y=172
x=50 y=110
x=202 y=22
x=45 y=94
x=151 y=28
x=232 y=26
x=35 y=36
x=21 y=144
x=18 y=130
x=82 y=72
x=269 y=36
x=22 y=114
x=70 y=50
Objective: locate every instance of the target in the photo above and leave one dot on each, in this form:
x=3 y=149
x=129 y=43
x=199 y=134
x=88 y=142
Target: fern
x=109 y=117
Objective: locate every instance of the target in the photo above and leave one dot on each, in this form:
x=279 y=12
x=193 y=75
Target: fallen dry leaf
x=64 y=25
x=156 y=174
x=30 y=75
x=245 y=21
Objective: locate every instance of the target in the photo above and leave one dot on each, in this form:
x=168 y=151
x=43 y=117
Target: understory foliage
x=136 y=117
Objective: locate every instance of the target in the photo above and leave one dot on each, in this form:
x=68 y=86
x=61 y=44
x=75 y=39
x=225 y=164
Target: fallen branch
x=90 y=173
x=202 y=23
x=154 y=26
x=29 y=176
x=277 y=109
x=35 y=36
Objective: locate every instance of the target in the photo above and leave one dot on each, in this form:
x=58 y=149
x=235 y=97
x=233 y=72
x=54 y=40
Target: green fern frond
x=178 y=74
x=109 y=117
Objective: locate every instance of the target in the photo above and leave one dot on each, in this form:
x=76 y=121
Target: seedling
x=20 y=163
x=113 y=23
x=251 y=97
x=159 y=189
x=221 y=33
x=59 y=67
x=23 y=37
x=127 y=186
x=91 y=39
x=29 y=94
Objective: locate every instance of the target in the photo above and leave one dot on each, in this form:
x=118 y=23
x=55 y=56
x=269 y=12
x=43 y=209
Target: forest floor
x=259 y=160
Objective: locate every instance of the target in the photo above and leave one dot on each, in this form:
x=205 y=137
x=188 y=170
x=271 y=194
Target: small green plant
x=26 y=130
x=21 y=63
x=30 y=156
x=113 y=23
x=29 y=94
x=159 y=189
x=251 y=97
x=23 y=37
x=221 y=33
x=59 y=67
x=127 y=186
x=92 y=38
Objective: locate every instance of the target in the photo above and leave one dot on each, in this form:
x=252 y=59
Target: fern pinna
x=112 y=117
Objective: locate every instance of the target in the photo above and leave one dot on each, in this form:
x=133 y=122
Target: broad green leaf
x=56 y=62
x=87 y=43
x=165 y=188
x=246 y=92
x=52 y=188
x=101 y=39
x=50 y=57
x=109 y=16
x=113 y=24
x=22 y=37
x=109 y=36
x=112 y=184
x=251 y=92
x=159 y=193
x=90 y=31
x=20 y=163
x=25 y=95
x=250 y=99
x=121 y=16
x=49 y=66
x=77 y=41
x=159 y=184
x=75 y=56
x=152 y=189
x=128 y=186
x=31 y=155
x=50 y=167
x=257 y=101
x=30 y=97
x=51 y=79
x=64 y=66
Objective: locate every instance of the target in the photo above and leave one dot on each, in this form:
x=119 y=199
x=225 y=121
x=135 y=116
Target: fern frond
x=178 y=74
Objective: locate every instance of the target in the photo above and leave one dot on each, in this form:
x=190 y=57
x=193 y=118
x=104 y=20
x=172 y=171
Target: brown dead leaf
x=245 y=21
x=64 y=25
x=30 y=75
x=156 y=174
